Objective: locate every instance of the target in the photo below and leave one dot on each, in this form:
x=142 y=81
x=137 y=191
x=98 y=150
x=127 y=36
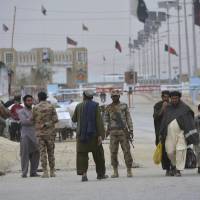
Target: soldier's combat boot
x=52 y=173
x=45 y=174
x=129 y=172
x=115 y=173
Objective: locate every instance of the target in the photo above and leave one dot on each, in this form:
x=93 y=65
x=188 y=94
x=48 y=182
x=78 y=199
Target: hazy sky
x=107 y=20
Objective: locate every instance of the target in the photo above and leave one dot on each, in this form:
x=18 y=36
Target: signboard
x=52 y=88
x=195 y=82
x=81 y=76
x=130 y=77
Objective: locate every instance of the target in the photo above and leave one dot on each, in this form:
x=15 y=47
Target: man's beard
x=28 y=106
x=175 y=104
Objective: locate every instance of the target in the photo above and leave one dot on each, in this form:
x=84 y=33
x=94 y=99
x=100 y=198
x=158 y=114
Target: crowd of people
x=34 y=127
x=37 y=132
x=175 y=128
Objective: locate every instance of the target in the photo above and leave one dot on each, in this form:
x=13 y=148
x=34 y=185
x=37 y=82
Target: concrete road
x=147 y=184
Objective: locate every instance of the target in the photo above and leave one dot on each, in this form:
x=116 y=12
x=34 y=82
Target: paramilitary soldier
x=90 y=133
x=45 y=117
x=159 y=110
x=120 y=129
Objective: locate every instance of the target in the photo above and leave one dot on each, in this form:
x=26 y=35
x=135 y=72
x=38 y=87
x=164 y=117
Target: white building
x=69 y=67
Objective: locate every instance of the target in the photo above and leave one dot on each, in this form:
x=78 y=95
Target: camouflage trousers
x=47 y=146
x=115 y=140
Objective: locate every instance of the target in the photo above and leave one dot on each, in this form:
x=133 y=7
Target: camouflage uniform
x=45 y=117
x=119 y=122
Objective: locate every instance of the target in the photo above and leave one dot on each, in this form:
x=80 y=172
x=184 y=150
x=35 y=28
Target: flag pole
x=167 y=5
x=152 y=64
x=154 y=50
x=186 y=39
x=83 y=36
x=114 y=66
x=147 y=68
x=179 y=42
x=12 y=46
x=158 y=48
x=13 y=29
x=104 y=70
x=139 y=62
x=168 y=36
x=130 y=42
x=194 y=39
x=144 y=64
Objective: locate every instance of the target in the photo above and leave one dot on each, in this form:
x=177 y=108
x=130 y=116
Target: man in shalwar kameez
x=177 y=131
x=159 y=111
x=90 y=133
x=29 y=149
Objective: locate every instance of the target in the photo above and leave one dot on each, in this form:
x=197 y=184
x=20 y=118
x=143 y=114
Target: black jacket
x=157 y=119
x=185 y=118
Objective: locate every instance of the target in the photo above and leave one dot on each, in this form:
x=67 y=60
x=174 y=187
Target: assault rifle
x=130 y=140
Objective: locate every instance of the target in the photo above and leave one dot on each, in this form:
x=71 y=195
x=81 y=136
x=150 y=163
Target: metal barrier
x=147 y=88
